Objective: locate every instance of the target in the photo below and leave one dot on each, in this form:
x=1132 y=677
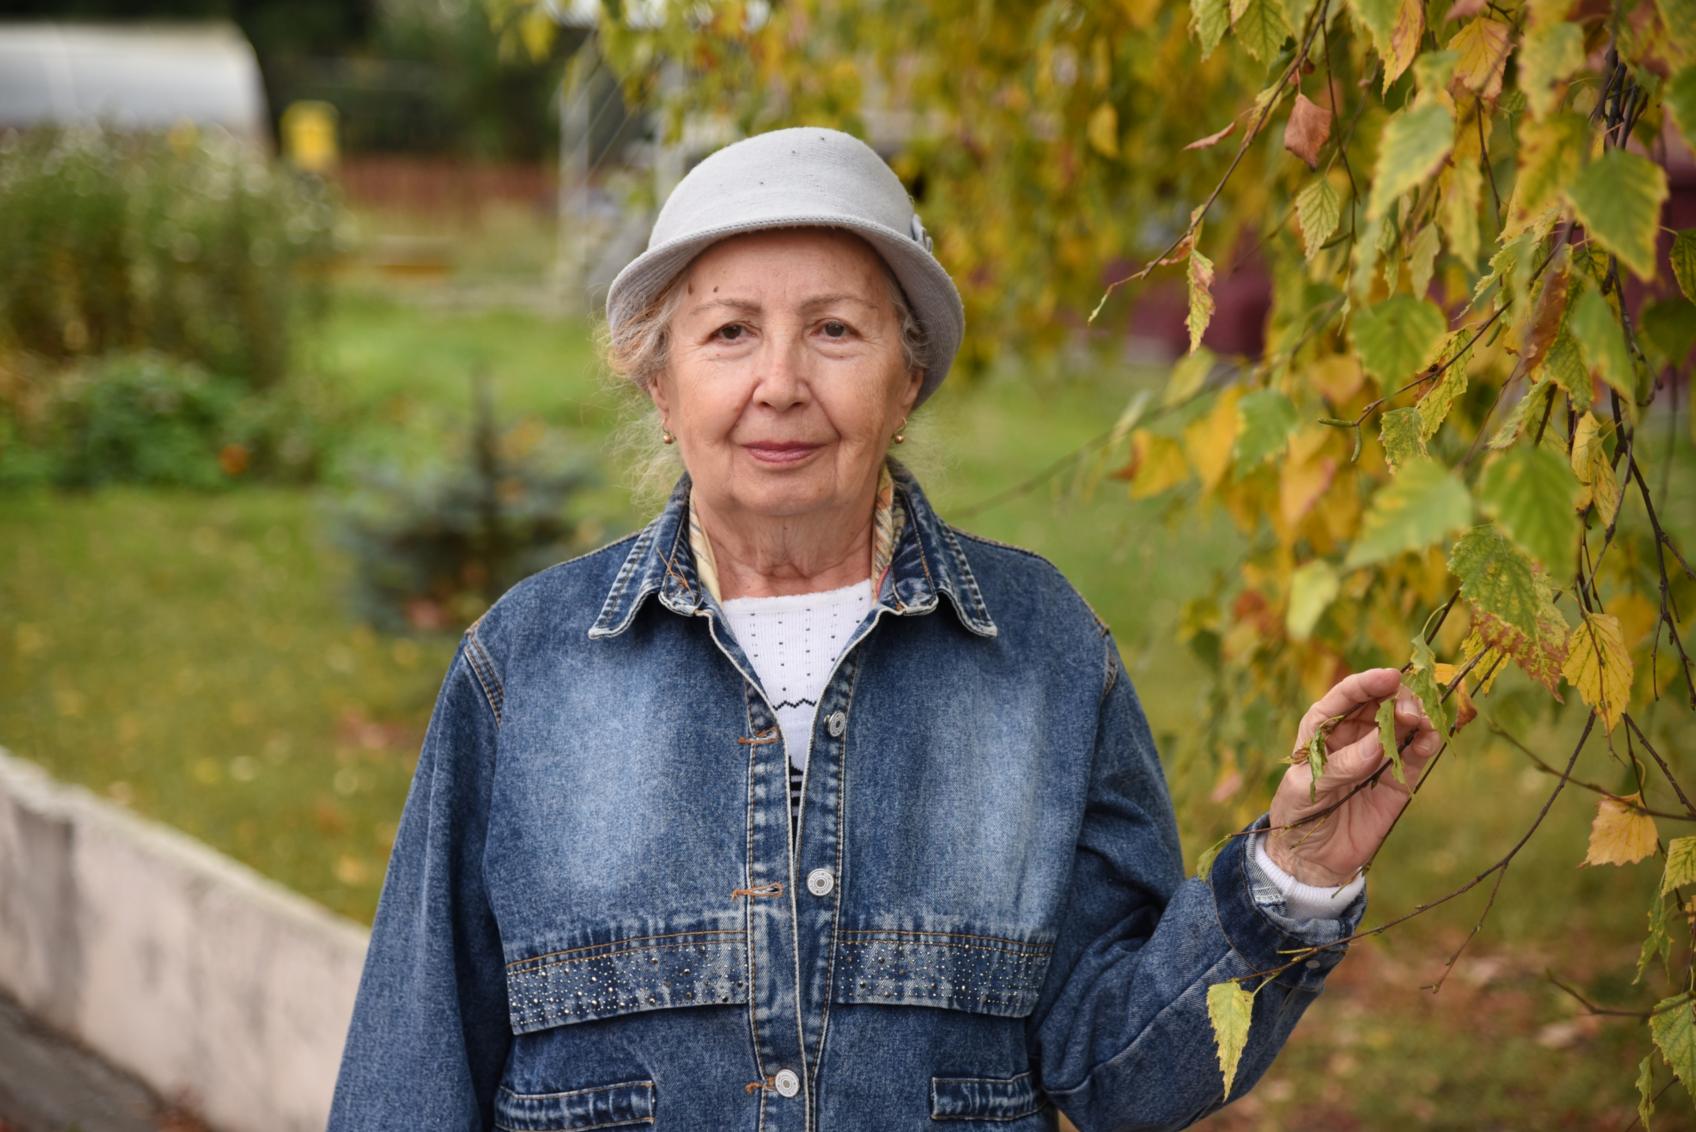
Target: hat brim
x=929 y=289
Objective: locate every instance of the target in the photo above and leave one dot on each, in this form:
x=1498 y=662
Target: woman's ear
x=915 y=382
x=656 y=394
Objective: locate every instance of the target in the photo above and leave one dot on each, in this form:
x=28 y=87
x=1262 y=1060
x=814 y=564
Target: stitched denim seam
x=580 y=1127
x=1100 y=625
x=1035 y=1103
x=637 y=1082
x=1012 y=946
x=636 y=943
x=483 y=668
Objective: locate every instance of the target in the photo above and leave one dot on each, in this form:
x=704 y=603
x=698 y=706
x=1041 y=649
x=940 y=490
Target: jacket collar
x=927 y=563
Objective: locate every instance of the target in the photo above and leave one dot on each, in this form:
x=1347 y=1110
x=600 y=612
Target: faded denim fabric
x=592 y=917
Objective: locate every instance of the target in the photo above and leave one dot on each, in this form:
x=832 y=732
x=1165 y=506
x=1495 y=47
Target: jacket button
x=787 y=1083
x=837 y=723
x=820 y=882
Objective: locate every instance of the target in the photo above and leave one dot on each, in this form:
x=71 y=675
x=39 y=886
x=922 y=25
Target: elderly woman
x=800 y=808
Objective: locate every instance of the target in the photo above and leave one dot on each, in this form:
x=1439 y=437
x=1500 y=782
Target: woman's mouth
x=780 y=453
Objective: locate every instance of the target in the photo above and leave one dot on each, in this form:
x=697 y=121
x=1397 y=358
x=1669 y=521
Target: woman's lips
x=778 y=453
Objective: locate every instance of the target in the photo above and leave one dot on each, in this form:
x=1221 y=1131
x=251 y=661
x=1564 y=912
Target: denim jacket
x=594 y=916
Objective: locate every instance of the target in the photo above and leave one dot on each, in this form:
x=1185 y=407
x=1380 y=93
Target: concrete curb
x=189 y=970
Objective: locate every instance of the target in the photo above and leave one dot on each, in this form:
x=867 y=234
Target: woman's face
x=786 y=379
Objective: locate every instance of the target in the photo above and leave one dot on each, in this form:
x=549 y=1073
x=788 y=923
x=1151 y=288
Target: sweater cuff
x=1304 y=901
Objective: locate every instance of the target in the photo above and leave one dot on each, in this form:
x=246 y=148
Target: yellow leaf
x=1599 y=666
x=1337 y=377
x=1483 y=48
x=1103 y=130
x=1208 y=440
x=1304 y=479
x=1621 y=834
x=1200 y=276
x=1597 y=480
x=1229 y=1008
x=1681 y=863
x=1158 y=464
x=1460 y=702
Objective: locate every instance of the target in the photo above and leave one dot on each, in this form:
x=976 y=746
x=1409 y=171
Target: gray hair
x=638 y=351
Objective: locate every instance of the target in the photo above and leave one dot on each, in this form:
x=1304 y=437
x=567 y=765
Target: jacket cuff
x=1254 y=918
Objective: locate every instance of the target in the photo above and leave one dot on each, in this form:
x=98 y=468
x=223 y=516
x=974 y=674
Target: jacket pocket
x=626 y=1104
x=622 y=966
x=957 y=965
x=984 y=1098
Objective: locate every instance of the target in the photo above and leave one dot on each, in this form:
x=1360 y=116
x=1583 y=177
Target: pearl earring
x=666 y=437
x=901 y=431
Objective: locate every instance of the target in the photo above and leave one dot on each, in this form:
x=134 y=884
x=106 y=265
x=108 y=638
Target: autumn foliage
x=1440 y=453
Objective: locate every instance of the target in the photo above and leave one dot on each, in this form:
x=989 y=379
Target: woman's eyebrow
x=752 y=307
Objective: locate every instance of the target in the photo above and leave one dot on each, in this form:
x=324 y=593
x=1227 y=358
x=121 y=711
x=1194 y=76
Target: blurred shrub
x=434 y=546
x=186 y=243
x=148 y=418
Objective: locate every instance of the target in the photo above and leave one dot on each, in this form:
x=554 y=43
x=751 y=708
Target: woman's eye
x=729 y=333
x=834 y=329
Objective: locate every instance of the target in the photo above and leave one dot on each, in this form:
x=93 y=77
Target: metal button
x=820 y=882
x=837 y=723
x=787 y=1083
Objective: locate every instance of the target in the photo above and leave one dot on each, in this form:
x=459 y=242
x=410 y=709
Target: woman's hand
x=1328 y=851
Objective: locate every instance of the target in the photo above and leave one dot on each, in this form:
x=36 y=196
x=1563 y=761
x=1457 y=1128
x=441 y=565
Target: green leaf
x=1398 y=432
x=1618 y=199
x=1681 y=863
x=1674 y=1029
x=1433 y=408
x=1529 y=406
x=1204 y=863
x=1200 y=275
x=1533 y=494
x=1230 y=1008
x=1395 y=27
x=1681 y=101
x=1457 y=211
x=1684 y=262
x=1495 y=577
x=1316 y=753
x=1422 y=259
x=1313 y=586
x=1188 y=376
x=1663 y=914
x=1387 y=737
x=1268 y=417
x=1413 y=145
x=1550 y=155
x=1596 y=328
x=1422 y=505
x=1564 y=365
x=1319 y=207
x=1209 y=19
x=1646 y=1089
x=1669 y=329
x=1552 y=51
x=1422 y=679
x=1260 y=26
x=1397 y=338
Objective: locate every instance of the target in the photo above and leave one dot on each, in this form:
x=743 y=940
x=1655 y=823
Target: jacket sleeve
x=1120 y=1036
x=429 y=1033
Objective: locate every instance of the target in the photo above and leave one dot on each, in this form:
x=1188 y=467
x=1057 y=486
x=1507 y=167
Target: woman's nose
x=782 y=376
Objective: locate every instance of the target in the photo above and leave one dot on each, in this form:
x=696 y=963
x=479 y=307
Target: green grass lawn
x=194 y=657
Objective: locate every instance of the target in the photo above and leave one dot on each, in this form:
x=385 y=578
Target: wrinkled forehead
x=794 y=262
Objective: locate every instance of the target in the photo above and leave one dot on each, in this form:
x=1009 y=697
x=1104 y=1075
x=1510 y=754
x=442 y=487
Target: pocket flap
x=619 y=967
x=602 y=1106
x=983 y=1098
x=956 y=966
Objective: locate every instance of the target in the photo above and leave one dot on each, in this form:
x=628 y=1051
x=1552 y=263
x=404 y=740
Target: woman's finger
x=1356 y=689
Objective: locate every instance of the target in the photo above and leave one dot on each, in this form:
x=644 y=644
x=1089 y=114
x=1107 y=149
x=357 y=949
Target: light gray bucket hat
x=789 y=178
